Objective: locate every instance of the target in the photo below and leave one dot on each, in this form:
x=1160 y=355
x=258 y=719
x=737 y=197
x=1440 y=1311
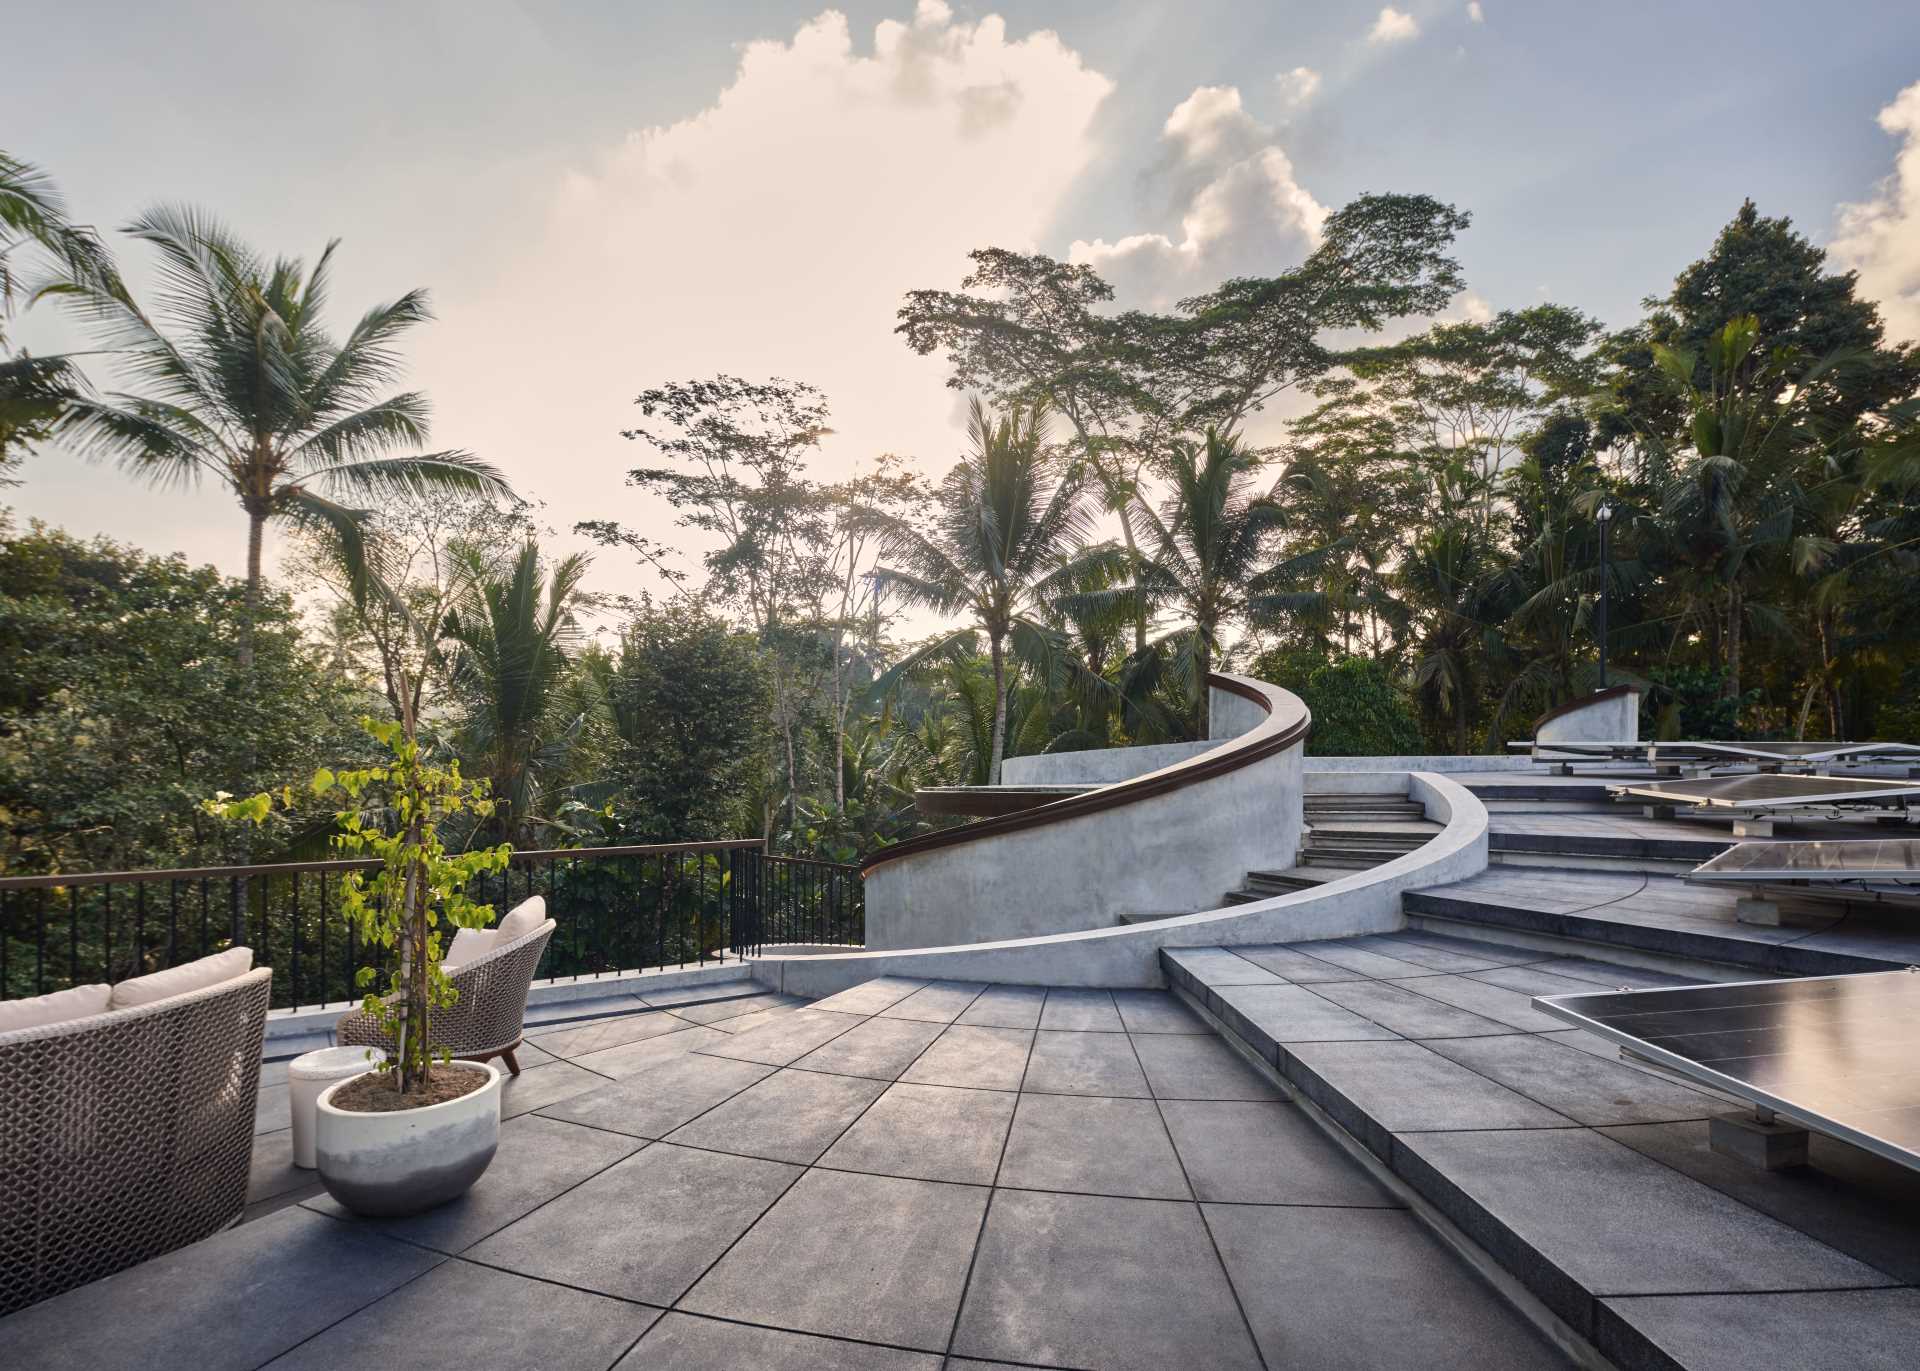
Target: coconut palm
x=240 y=382
x=34 y=391
x=1011 y=519
x=1207 y=558
x=510 y=644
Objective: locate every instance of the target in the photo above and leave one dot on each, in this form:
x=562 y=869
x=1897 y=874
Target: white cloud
x=1298 y=86
x=1475 y=13
x=1880 y=237
x=772 y=233
x=1393 y=26
x=1242 y=211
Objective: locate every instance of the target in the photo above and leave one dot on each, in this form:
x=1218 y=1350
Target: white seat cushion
x=81 y=1002
x=526 y=916
x=469 y=945
x=182 y=980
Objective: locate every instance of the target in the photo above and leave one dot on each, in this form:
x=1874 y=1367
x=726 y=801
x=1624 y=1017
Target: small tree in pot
x=416 y=895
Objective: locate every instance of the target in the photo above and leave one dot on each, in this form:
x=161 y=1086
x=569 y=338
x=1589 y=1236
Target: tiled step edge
x=1590 y=1318
x=1772 y=957
x=1460 y=1240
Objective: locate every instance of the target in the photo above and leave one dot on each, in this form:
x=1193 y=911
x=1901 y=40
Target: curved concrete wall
x=1160 y=853
x=1097 y=766
x=1607 y=716
x=1365 y=902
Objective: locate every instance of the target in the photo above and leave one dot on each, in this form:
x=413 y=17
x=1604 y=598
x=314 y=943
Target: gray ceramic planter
x=389 y=1165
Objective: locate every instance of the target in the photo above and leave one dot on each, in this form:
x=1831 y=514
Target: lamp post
x=1605 y=515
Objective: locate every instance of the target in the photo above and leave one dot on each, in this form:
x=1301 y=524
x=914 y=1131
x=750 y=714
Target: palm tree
x=241 y=383
x=1441 y=579
x=1004 y=537
x=34 y=391
x=511 y=643
x=1208 y=548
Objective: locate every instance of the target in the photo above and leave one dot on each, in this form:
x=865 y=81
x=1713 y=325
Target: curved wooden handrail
x=1610 y=693
x=1282 y=728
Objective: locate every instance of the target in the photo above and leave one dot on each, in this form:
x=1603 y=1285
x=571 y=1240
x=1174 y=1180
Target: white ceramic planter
x=387 y=1165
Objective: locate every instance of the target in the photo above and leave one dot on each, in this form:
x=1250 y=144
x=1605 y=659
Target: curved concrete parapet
x=1366 y=902
x=1139 y=846
x=1606 y=716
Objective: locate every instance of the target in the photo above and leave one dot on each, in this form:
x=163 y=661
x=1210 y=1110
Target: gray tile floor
x=902 y=1176
x=1586 y=1175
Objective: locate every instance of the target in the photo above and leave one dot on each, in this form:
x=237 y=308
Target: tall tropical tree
x=511 y=643
x=239 y=382
x=34 y=391
x=1006 y=535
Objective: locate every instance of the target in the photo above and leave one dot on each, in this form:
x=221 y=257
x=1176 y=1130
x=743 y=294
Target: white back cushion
x=180 y=980
x=526 y=916
x=81 y=1002
x=469 y=945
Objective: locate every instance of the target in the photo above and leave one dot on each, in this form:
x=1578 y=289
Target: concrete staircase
x=1345 y=834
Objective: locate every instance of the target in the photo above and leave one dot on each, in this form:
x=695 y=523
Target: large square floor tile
x=1368 y=1289
x=1156 y=1011
x=605 y=1033
x=459 y=1317
x=538 y=1160
x=869 y=1257
x=977 y=1057
x=1188 y=1067
x=1085 y=1280
x=1086 y=1011
x=1579 y=1084
x=684 y=1342
x=1093 y=1146
x=298 y=1272
x=878 y=1048
x=1615 y=1222
x=631 y=1059
x=1084 y=1064
x=936 y=1001
x=1006 y=1006
x=1856 y=1330
x=1392 y=1087
x=1253 y=1153
x=658 y=1100
x=870 y=997
x=930 y=1132
x=644 y=1229
x=791 y=1116
x=786 y=1038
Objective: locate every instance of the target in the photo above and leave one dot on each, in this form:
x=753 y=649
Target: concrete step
x=1324 y=854
x=1415 y=830
x=1506 y=1138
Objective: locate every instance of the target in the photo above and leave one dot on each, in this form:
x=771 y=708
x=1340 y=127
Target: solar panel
x=1768 y=791
x=1890 y=860
x=1837 y=1054
x=1760 y=751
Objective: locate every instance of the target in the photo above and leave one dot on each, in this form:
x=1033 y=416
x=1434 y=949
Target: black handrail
x=619 y=908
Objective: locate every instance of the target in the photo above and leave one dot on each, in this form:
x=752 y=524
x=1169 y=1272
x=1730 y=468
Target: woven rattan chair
x=488 y=1019
x=125 y=1135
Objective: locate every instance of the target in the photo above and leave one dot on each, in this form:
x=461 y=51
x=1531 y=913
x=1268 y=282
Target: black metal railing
x=617 y=909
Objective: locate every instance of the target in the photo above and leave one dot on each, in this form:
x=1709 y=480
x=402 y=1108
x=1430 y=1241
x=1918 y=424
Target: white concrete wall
x=1473 y=761
x=1172 y=852
x=1099 y=765
x=1365 y=902
x=1167 y=853
x=1614 y=719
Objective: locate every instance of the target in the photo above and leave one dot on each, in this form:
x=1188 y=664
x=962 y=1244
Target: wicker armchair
x=488 y=1018
x=125 y=1135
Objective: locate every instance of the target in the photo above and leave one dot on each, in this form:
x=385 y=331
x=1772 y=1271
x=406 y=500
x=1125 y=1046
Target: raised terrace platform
x=906 y=1175
x=1587 y=1179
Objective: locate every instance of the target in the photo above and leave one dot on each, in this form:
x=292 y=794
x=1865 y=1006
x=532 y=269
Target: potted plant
x=419 y=1130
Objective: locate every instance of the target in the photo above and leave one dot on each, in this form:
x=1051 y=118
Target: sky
x=603 y=197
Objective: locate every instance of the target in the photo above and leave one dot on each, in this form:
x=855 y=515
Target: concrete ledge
x=305 y=1020
x=1366 y=902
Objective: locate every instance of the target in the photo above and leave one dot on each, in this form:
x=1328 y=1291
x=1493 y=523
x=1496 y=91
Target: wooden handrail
x=1273 y=734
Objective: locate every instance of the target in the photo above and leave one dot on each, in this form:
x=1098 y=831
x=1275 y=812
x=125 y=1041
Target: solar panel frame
x=1847 y=859
x=1748 y=752
x=1767 y=791
x=1748 y=1011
